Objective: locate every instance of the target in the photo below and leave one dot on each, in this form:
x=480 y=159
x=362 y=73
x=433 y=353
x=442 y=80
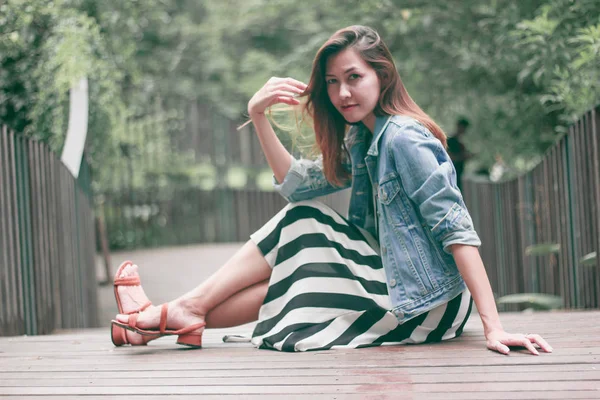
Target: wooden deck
x=71 y=365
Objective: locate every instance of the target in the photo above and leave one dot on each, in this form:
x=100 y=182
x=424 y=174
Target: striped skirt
x=328 y=288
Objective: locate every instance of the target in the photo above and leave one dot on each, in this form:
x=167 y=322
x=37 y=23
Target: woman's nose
x=344 y=92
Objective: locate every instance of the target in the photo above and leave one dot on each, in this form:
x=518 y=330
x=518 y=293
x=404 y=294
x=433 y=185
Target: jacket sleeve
x=428 y=178
x=305 y=180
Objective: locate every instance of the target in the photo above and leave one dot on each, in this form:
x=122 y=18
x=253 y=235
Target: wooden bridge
x=85 y=364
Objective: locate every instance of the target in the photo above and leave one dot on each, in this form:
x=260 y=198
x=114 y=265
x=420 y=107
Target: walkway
x=70 y=365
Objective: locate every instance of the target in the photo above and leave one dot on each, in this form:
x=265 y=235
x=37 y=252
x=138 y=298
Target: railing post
x=34 y=288
x=595 y=138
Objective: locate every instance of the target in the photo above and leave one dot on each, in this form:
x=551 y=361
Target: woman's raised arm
x=276 y=90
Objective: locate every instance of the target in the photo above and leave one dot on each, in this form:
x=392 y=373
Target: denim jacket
x=419 y=211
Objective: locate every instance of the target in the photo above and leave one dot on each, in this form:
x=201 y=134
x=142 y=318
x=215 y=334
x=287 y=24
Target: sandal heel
x=190 y=339
x=118 y=335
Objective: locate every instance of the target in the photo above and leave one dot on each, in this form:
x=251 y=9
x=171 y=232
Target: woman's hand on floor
x=500 y=341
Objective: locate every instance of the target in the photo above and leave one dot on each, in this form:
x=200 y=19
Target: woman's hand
x=276 y=90
x=500 y=340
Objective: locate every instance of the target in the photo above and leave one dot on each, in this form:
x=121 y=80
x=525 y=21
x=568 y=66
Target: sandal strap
x=128 y=281
x=164 y=310
x=163 y=318
x=139 y=310
x=132 y=320
x=190 y=329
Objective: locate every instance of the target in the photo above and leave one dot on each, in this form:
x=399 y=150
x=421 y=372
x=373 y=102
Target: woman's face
x=353 y=87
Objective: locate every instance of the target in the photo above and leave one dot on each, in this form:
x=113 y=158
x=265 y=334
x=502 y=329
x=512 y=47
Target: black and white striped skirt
x=328 y=288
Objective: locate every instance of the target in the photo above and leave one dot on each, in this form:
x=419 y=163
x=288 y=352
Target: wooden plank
x=84 y=363
x=56 y=239
x=5 y=298
x=392 y=376
x=424 y=372
x=542 y=395
x=595 y=137
x=211 y=355
x=571 y=322
x=521 y=363
x=589 y=395
x=277 y=388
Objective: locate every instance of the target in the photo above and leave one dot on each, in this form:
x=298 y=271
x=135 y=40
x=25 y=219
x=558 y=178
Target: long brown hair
x=329 y=125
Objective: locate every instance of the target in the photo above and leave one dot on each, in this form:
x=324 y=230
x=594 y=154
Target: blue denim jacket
x=411 y=182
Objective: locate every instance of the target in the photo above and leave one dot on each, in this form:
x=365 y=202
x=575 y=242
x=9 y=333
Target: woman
x=401 y=269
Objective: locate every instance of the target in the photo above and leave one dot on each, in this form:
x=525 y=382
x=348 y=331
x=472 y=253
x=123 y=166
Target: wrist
x=255 y=114
x=490 y=327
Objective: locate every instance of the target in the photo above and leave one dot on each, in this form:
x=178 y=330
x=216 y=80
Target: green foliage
x=48 y=46
x=536 y=301
x=519 y=70
x=542 y=249
x=589 y=259
x=142 y=154
x=562 y=44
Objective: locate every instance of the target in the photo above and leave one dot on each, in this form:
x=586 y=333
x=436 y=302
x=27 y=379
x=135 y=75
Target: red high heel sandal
x=118 y=335
x=188 y=336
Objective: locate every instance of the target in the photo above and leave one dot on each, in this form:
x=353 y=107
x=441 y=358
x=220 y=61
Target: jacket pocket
x=391 y=204
x=388 y=191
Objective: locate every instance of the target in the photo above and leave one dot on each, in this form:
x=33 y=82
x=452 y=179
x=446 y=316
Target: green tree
x=520 y=71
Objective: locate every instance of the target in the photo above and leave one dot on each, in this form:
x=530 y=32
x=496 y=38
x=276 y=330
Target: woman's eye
x=354 y=76
x=330 y=81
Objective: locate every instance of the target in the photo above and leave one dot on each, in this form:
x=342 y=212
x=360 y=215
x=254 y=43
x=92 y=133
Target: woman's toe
x=124 y=318
x=129 y=270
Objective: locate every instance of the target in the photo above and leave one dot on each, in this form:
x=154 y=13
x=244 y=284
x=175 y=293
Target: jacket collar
x=380 y=125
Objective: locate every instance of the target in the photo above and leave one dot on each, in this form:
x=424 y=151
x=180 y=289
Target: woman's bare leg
x=239 y=309
x=245 y=269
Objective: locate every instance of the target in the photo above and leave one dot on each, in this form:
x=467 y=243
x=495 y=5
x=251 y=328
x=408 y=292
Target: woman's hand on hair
x=276 y=90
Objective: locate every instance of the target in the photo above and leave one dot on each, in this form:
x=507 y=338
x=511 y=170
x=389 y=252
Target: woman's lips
x=350 y=107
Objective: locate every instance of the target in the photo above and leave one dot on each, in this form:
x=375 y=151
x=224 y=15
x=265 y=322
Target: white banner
x=77 y=130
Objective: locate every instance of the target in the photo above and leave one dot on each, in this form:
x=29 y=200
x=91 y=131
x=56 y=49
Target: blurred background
x=169 y=82
x=515 y=85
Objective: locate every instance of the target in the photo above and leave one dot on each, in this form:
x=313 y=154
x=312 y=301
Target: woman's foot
x=132 y=298
x=182 y=313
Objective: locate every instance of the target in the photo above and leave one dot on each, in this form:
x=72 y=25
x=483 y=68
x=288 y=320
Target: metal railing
x=540 y=232
x=47 y=241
